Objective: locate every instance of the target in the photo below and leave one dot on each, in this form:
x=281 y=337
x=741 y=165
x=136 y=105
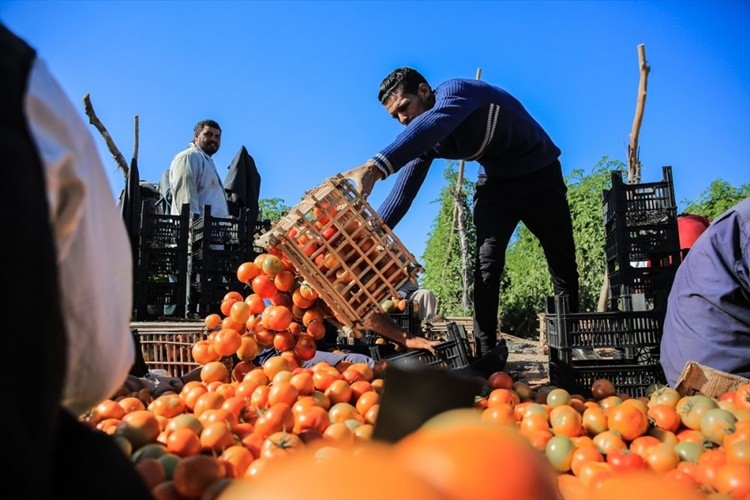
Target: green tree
x=719 y=197
x=272 y=209
x=442 y=256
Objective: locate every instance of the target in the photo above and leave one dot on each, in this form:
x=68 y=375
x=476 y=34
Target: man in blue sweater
x=520 y=180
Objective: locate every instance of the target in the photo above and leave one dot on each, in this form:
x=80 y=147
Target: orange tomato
x=453 y=454
x=628 y=420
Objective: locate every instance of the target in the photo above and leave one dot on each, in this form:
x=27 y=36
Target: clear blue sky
x=296 y=82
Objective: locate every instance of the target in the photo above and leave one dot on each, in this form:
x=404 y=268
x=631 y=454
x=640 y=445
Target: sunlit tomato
x=247 y=271
x=567 y=422
x=305 y=347
x=281 y=444
x=628 y=420
x=642 y=443
x=323 y=378
x=300 y=301
x=688 y=451
x=559 y=452
x=263 y=286
x=284 y=281
x=208 y=401
x=140 y=427
x=338 y=391
x=168 y=405
x=227 y=341
x=717 y=423
x=274 y=364
x=240 y=311
x=284 y=341
x=664 y=417
x=636 y=485
x=303 y=382
x=557 y=397
x=608 y=442
x=312 y=417
x=626 y=461
x=366 y=400
x=183 y=442
x=275 y=418
x=692 y=408
x=742 y=397
x=316 y=329
x=502 y=396
x=307 y=291
x=256 y=303
x=532 y=422
x=214 y=371
x=594 y=421
x=733 y=479
x=282 y=392
x=203 y=352
x=211 y=321
x=582 y=455
x=452 y=455
x=277 y=318
x=341 y=412
x=237 y=458
x=661 y=457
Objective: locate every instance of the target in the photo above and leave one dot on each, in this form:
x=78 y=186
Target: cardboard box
x=700 y=379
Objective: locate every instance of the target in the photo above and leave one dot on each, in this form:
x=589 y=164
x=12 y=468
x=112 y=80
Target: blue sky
x=296 y=82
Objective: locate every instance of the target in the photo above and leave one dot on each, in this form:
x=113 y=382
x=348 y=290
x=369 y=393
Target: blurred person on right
x=708 y=310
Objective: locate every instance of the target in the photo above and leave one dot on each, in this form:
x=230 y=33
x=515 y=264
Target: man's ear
x=424 y=91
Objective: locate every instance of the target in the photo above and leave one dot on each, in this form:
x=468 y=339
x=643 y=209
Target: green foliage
x=719 y=197
x=272 y=209
x=526 y=280
x=442 y=257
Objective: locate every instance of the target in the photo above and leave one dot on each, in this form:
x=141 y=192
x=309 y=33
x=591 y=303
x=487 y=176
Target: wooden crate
x=700 y=379
x=342 y=247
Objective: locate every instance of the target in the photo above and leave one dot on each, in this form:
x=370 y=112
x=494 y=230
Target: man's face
x=405 y=107
x=208 y=139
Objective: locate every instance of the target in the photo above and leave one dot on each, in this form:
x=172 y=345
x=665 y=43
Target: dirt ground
x=526 y=361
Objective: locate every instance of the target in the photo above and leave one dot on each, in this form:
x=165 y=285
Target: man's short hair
x=406 y=79
x=205 y=123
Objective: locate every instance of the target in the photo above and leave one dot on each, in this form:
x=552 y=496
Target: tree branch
x=634 y=171
x=96 y=122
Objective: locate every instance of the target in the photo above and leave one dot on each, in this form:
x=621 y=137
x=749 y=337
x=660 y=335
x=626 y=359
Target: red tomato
x=626 y=461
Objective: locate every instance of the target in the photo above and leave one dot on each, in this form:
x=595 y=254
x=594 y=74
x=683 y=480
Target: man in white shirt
x=193 y=177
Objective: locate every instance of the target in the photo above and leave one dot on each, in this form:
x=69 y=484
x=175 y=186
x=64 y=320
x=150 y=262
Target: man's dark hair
x=205 y=123
x=406 y=79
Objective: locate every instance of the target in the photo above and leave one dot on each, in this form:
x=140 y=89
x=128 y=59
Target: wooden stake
x=96 y=122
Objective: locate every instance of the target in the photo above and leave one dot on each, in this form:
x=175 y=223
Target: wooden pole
x=96 y=122
x=634 y=164
x=457 y=222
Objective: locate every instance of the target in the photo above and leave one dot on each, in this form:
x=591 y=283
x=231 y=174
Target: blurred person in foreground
x=520 y=180
x=193 y=177
x=708 y=309
x=73 y=293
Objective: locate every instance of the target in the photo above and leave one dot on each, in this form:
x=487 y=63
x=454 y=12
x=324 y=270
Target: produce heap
x=283 y=431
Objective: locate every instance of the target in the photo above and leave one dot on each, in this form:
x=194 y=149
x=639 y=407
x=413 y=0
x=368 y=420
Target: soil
x=526 y=361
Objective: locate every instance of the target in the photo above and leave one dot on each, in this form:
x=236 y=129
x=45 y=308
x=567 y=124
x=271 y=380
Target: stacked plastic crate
x=161 y=271
x=643 y=253
x=641 y=239
x=217 y=247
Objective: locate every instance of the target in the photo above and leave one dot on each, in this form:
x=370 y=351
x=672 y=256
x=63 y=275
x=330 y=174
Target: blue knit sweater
x=473 y=121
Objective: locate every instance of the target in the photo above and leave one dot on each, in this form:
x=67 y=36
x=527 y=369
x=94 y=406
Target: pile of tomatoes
x=285 y=431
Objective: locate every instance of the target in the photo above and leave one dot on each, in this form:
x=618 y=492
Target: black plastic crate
x=653 y=282
x=631 y=379
x=645 y=203
x=657 y=245
x=451 y=354
x=630 y=335
x=206 y=296
x=156 y=300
